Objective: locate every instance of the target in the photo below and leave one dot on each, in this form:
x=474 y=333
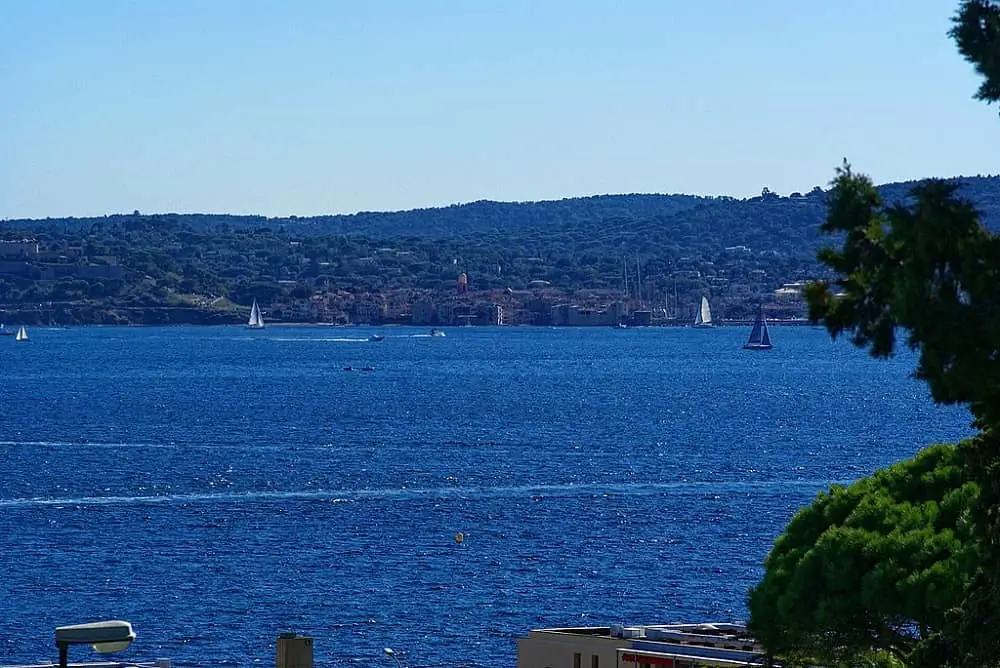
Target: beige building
x=658 y=646
x=569 y=648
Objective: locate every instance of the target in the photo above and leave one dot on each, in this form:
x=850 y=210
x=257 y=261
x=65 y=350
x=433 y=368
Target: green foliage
x=874 y=567
x=976 y=31
x=929 y=267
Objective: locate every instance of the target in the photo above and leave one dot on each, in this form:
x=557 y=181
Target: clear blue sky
x=335 y=106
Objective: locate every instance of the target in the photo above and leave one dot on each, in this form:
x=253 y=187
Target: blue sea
x=219 y=486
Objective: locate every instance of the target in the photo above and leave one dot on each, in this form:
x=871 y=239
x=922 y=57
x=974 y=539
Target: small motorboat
x=348 y=368
x=437 y=332
x=367 y=368
x=376 y=337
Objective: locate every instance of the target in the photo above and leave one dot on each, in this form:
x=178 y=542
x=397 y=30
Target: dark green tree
x=929 y=268
x=976 y=30
x=872 y=568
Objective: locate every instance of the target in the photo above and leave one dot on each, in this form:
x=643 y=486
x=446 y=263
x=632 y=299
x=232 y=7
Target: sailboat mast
x=625 y=260
x=676 y=305
x=638 y=280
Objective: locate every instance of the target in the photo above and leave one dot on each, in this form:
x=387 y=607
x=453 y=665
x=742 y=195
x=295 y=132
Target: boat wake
x=711 y=489
x=155 y=446
x=84 y=444
x=325 y=339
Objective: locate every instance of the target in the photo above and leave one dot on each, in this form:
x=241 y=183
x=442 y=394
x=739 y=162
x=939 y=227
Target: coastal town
x=69 y=285
x=541 y=306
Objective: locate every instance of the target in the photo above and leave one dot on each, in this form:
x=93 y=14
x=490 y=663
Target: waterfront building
x=709 y=645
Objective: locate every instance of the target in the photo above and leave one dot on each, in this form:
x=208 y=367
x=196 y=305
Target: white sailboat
x=760 y=338
x=704 y=316
x=256 y=319
x=22 y=334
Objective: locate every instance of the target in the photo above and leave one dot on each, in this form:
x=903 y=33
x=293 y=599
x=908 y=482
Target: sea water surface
x=218 y=486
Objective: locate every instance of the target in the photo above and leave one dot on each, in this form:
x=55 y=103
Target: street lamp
x=388 y=650
x=106 y=637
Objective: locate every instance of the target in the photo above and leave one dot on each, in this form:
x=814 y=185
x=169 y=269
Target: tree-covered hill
x=452 y=221
x=737 y=252
x=796 y=214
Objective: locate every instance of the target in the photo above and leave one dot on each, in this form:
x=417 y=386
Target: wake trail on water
x=535 y=492
x=126 y=445
x=297 y=339
x=318 y=340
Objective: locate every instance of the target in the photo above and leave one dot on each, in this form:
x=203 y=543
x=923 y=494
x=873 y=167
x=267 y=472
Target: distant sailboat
x=256 y=319
x=704 y=316
x=22 y=334
x=759 y=339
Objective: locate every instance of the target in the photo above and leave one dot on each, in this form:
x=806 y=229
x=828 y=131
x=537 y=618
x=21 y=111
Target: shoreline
x=721 y=325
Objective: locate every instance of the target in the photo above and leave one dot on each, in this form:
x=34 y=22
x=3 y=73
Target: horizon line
x=293 y=216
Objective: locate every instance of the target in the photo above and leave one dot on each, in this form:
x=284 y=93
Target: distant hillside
x=483 y=217
x=785 y=225
x=671 y=219
x=194 y=268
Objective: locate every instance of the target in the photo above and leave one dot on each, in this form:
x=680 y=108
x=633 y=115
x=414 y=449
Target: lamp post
x=388 y=651
x=106 y=637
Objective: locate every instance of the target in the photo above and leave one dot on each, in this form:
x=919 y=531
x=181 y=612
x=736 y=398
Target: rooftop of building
x=710 y=633
x=715 y=643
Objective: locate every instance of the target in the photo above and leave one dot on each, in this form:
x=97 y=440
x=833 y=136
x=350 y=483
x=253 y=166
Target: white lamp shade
x=109 y=647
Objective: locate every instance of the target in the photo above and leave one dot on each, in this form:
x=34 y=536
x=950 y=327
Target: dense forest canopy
x=876 y=565
x=800 y=210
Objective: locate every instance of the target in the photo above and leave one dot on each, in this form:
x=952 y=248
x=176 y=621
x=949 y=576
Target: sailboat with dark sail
x=760 y=338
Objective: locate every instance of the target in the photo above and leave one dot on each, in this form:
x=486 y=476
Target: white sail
x=22 y=334
x=704 y=316
x=256 y=319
